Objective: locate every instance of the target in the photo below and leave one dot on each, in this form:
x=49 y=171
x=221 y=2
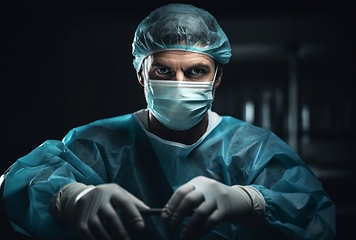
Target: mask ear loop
x=212 y=86
x=216 y=72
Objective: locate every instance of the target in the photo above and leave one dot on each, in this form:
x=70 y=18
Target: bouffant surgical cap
x=180 y=27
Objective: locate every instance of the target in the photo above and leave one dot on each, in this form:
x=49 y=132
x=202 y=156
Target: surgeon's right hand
x=92 y=210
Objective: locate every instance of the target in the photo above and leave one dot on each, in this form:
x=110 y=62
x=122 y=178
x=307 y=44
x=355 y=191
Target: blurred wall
x=292 y=71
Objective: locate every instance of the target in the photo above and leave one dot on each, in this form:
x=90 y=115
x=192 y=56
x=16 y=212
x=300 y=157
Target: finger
x=138 y=203
x=109 y=215
x=97 y=229
x=125 y=197
x=127 y=205
x=189 y=202
x=198 y=220
x=215 y=218
x=176 y=198
x=84 y=231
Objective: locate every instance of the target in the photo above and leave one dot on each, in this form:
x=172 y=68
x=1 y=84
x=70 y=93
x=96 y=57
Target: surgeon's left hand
x=213 y=202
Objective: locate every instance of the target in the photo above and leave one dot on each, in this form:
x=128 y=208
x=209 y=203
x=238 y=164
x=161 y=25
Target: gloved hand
x=92 y=210
x=214 y=203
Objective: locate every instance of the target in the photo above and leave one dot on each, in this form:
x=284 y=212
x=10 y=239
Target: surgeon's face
x=180 y=66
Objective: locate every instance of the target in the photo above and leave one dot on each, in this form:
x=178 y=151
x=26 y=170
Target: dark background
x=67 y=64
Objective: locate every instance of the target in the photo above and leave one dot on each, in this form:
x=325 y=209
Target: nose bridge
x=180 y=76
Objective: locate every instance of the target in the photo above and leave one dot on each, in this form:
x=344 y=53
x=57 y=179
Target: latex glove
x=214 y=203
x=92 y=210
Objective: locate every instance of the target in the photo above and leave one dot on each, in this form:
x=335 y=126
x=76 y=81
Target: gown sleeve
x=32 y=182
x=297 y=207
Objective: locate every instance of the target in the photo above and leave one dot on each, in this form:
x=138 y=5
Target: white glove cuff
x=258 y=203
x=66 y=198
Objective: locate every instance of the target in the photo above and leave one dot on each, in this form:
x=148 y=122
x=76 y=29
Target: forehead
x=182 y=58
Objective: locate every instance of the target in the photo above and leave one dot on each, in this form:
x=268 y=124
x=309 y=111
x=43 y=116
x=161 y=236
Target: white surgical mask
x=179 y=105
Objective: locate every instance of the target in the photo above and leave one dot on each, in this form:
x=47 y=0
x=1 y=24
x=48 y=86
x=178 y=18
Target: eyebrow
x=158 y=64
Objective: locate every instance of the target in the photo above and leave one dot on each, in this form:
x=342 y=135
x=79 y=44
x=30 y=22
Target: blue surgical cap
x=180 y=27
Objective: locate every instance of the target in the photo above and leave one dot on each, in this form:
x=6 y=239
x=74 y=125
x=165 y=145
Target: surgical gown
x=120 y=150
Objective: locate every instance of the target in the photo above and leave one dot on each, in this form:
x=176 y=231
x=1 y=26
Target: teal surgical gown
x=120 y=150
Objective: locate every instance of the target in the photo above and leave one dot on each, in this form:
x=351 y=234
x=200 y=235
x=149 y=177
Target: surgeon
x=210 y=176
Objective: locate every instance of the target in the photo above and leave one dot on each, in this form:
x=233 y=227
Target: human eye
x=197 y=71
x=162 y=70
x=197 y=74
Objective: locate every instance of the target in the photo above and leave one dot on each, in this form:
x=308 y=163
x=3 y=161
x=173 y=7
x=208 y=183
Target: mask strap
x=216 y=71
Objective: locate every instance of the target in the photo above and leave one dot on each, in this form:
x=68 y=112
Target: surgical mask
x=179 y=105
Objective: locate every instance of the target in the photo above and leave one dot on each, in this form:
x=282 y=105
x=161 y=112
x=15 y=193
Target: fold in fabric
x=119 y=150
